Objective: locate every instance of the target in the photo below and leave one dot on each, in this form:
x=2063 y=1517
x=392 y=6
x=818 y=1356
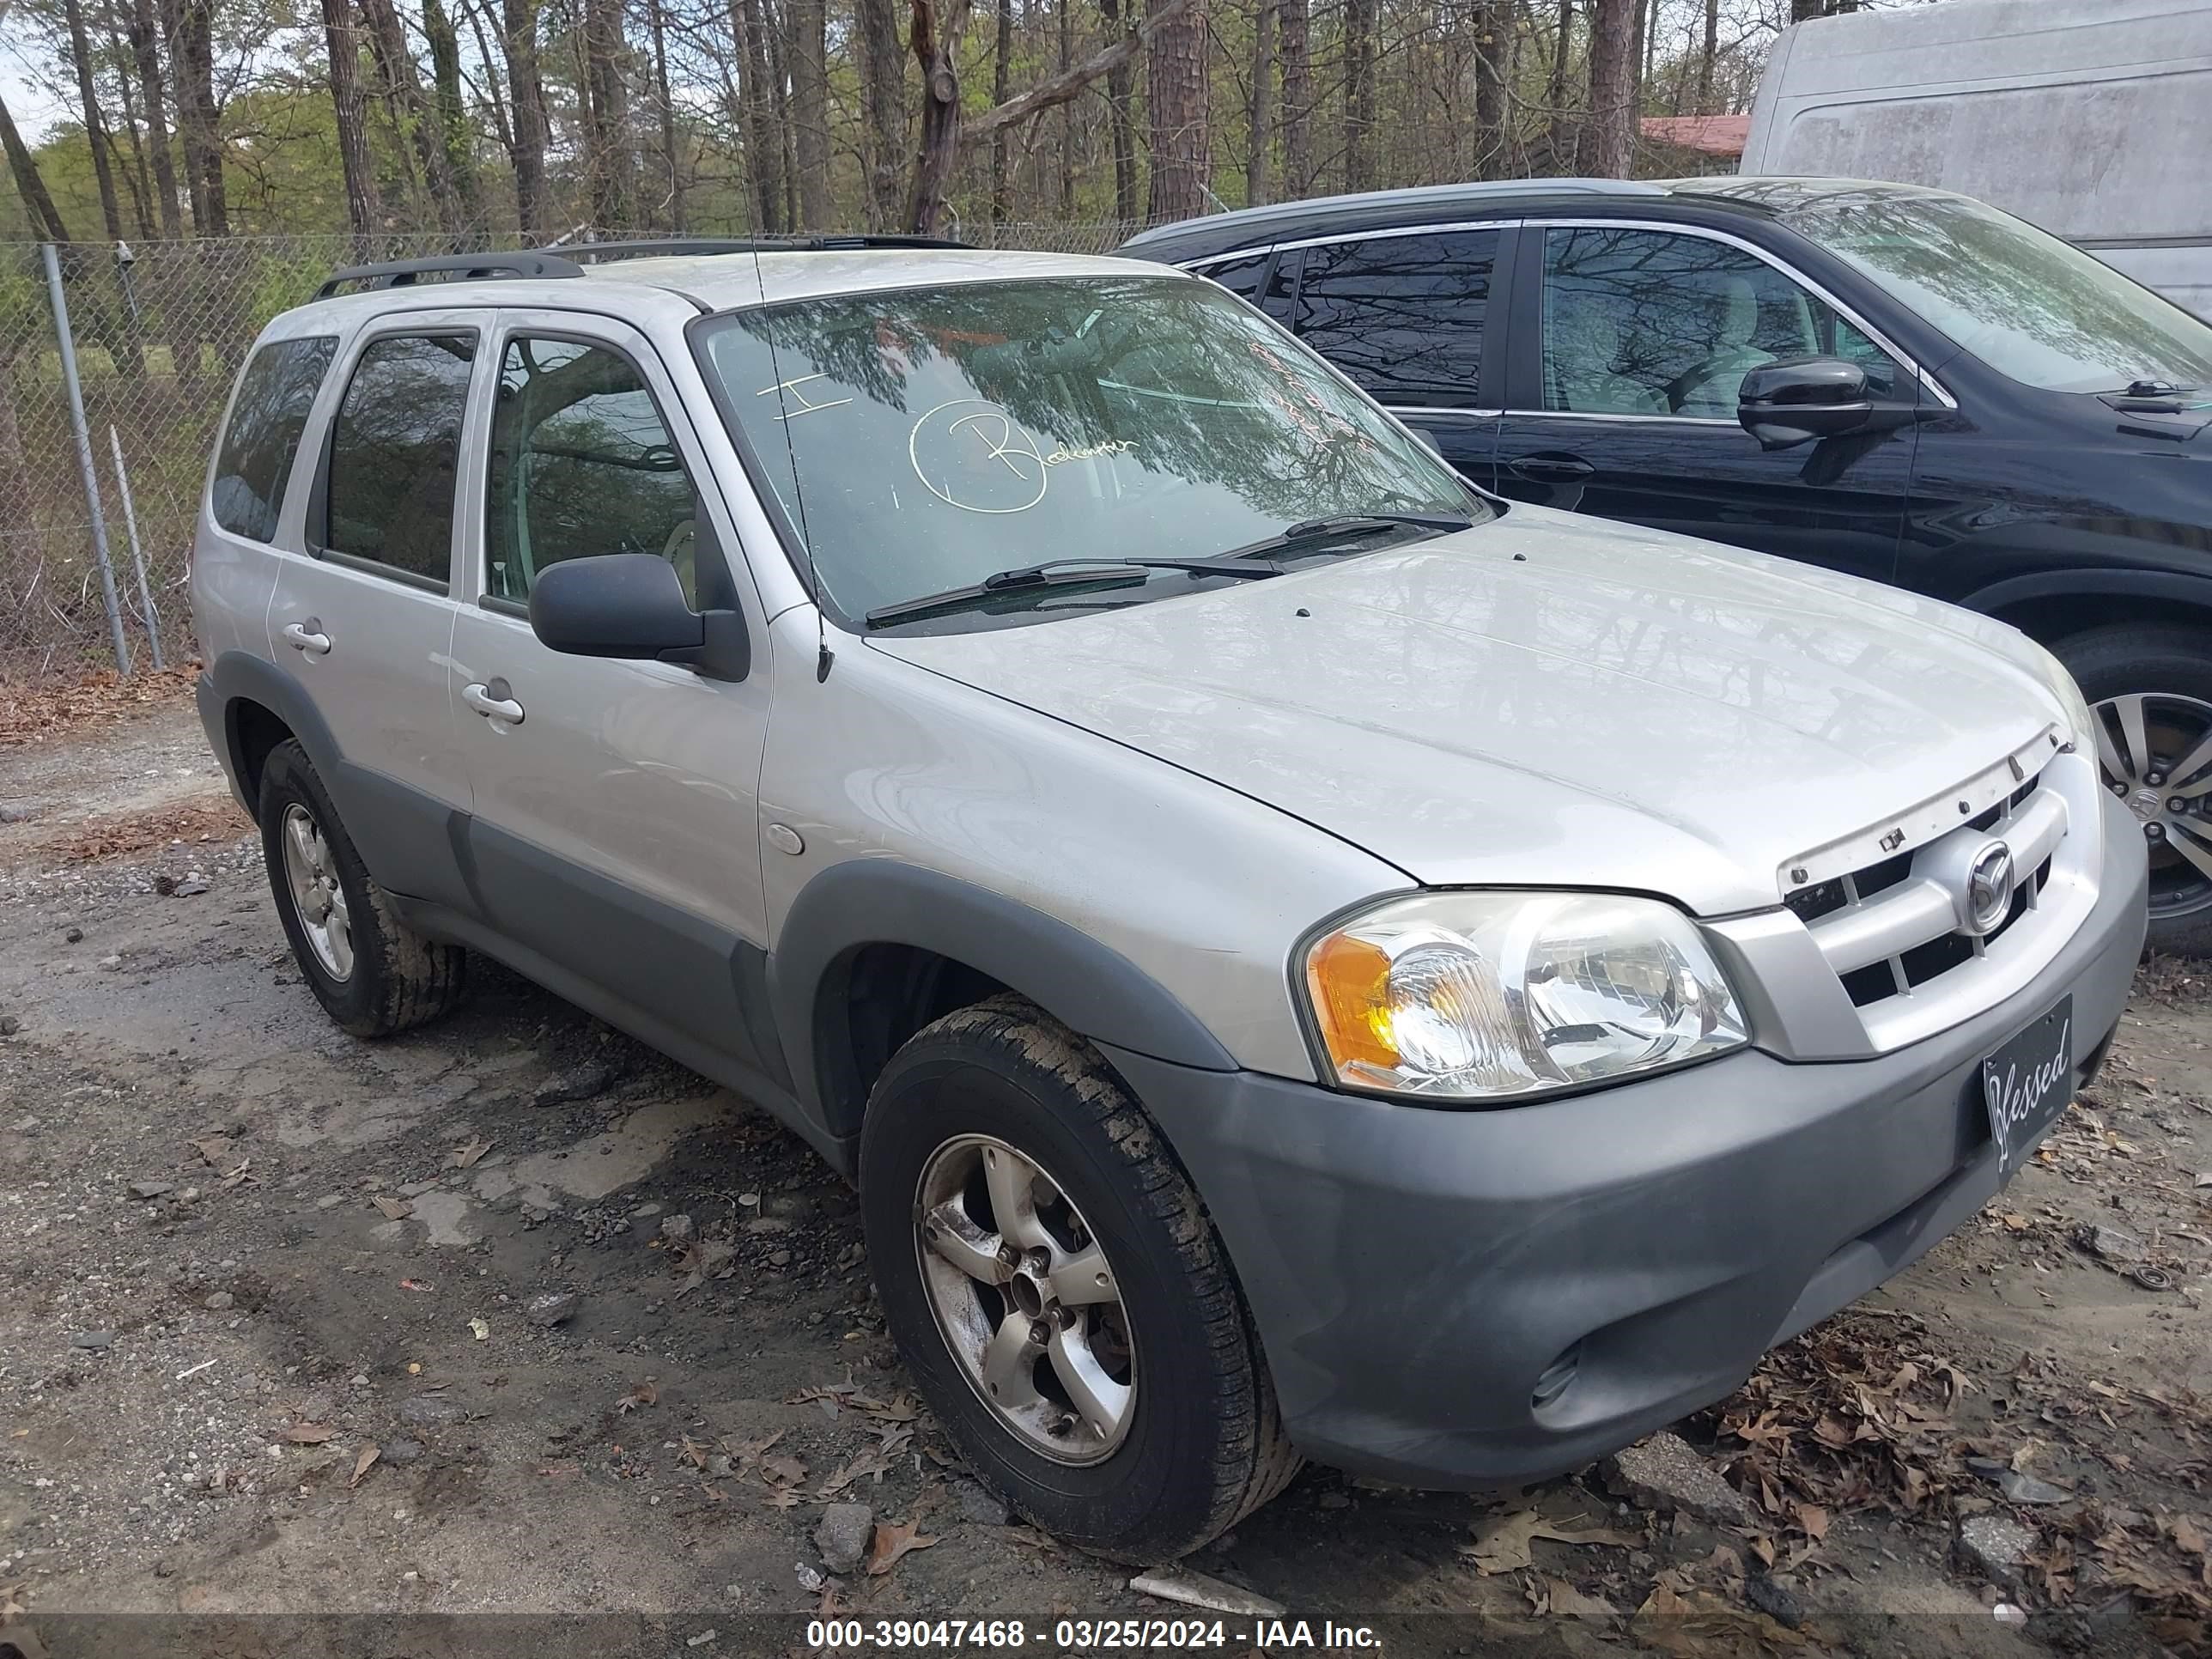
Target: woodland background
x=236 y=151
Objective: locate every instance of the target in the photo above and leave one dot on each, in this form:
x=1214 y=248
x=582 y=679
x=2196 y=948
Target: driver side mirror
x=632 y=605
x=1802 y=398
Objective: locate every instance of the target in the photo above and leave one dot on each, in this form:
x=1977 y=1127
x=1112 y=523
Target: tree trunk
x=1491 y=20
x=1064 y=17
x=455 y=135
x=1002 y=52
x=134 y=176
x=1608 y=136
x=1803 y=11
x=527 y=89
x=1358 y=94
x=882 y=98
x=46 y=218
x=763 y=144
x=935 y=37
x=606 y=116
x=95 y=126
x=779 y=118
x=147 y=57
x=1177 y=95
x=675 y=215
x=1120 y=83
x=409 y=109
x=362 y=208
x=1709 y=56
x=810 y=103
x=1295 y=23
x=1562 y=124
x=1259 y=118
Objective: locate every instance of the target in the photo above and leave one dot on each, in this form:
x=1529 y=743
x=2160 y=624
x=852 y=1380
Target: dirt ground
x=268 y=1346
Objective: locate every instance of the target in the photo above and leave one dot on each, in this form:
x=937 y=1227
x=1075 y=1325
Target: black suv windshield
x=920 y=439
x=2033 y=308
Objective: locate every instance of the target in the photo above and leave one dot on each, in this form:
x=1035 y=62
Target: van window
x=395 y=449
x=1403 y=315
x=581 y=464
x=266 y=422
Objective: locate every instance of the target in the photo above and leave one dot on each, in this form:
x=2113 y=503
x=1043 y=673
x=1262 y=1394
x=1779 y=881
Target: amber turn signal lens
x=1350 y=983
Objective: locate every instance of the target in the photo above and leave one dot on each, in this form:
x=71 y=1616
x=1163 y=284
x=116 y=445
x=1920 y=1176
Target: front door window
x=1657 y=323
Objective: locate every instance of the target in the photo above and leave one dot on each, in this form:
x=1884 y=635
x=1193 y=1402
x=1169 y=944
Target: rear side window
x=1240 y=276
x=266 y=423
x=1403 y=315
x=395 y=450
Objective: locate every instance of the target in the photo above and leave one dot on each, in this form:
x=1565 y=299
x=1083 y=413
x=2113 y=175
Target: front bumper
x=1418 y=1276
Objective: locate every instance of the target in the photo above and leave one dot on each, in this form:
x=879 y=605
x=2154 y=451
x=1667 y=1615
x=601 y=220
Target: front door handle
x=492 y=701
x=308 y=636
x=1551 y=469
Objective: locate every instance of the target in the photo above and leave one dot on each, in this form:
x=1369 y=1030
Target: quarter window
x=1648 y=322
x=1403 y=315
x=266 y=423
x=581 y=464
x=395 y=449
x=1241 y=277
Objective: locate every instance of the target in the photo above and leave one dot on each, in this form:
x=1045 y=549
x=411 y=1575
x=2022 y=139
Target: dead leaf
x=2188 y=1535
x=464 y=1156
x=1697 y=1624
x=369 y=1454
x=645 y=1394
x=309 y=1434
x=481 y=1330
x=783 y=1471
x=1501 y=1542
x=1814 y=1521
x=244 y=1172
x=394 y=1209
x=893 y=1540
x=867 y=1464
x=691 y=1451
x=214 y=1149
x=1567 y=1602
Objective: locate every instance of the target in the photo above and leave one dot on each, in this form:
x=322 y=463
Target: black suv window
x=1241 y=277
x=274 y=396
x=395 y=450
x=1403 y=315
x=581 y=464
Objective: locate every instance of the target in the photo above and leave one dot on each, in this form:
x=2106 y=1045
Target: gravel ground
x=275 y=1340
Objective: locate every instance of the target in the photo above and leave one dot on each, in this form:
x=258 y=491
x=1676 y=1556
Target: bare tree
x=45 y=217
x=1562 y=126
x=96 y=127
x=1119 y=85
x=1491 y=25
x=400 y=89
x=1002 y=52
x=1709 y=56
x=189 y=26
x=1260 y=121
x=882 y=98
x=1358 y=94
x=1176 y=95
x=757 y=111
x=1297 y=97
x=450 y=116
x=146 y=55
x=810 y=110
x=527 y=87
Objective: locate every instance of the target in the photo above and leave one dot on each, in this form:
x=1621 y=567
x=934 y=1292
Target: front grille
x=1892 y=927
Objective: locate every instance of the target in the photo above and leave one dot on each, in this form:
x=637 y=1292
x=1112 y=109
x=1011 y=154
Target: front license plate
x=2029 y=1082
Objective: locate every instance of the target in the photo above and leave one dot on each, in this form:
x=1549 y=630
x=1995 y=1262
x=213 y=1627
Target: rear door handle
x=493 y=703
x=1551 y=469
x=308 y=636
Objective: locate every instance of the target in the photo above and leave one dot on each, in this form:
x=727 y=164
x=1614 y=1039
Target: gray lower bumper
x=1417 y=1274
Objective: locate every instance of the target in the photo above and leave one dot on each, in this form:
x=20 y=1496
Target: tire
x=1201 y=1442
x=373 y=974
x=2169 y=670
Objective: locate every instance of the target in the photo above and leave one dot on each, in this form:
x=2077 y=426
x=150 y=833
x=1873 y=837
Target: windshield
x=923 y=439
x=2028 y=304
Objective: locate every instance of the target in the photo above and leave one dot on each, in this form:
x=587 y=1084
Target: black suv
x=1888 y=381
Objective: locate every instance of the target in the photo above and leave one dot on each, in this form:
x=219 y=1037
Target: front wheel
x=2150 y=691
x=1058 y=1291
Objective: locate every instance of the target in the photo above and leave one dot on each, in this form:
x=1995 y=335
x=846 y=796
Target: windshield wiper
x=1290 y=538
x=1055 y=572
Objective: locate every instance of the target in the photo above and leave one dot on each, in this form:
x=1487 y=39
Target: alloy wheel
x=2154 y=751
x=318 y=897
x=1025 y=1299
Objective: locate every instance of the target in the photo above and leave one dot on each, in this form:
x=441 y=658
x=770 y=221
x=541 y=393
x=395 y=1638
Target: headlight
x=1478 y=995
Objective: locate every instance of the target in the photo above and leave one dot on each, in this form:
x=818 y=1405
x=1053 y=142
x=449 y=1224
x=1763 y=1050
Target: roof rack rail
x=460 y=267
x=827 y=244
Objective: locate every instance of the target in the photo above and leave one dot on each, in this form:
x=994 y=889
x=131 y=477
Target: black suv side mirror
x=632 y=605
x=1801 y=398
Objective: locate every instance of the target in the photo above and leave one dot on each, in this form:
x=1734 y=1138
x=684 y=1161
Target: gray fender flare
x=1087 y=986
x=237 y=677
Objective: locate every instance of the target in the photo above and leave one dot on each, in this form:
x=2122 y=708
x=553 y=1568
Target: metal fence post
x=84 y=456
x=138 y=552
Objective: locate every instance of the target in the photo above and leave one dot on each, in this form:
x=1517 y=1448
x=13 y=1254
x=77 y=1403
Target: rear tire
x=1199 y=1442
x=373 y=974
x=2157 y=680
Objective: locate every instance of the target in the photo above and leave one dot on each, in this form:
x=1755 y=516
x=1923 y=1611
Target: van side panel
x=2089 y=118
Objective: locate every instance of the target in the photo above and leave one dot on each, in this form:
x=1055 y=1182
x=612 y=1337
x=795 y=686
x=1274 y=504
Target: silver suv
x=1300 y=957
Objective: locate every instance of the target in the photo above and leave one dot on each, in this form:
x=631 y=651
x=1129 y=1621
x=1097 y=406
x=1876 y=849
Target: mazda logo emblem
x=1989 y=882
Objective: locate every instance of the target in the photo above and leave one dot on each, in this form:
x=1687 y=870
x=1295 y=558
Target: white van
x=2092 y=118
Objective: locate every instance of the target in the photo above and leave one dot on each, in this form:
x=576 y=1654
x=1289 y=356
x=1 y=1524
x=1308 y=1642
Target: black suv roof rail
x=829 y=244
x=460 y=267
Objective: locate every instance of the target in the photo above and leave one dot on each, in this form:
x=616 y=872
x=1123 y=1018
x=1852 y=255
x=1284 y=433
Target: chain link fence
x=158 y=333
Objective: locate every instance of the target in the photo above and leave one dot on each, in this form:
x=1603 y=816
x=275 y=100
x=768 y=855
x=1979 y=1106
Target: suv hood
x=1545 y=700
